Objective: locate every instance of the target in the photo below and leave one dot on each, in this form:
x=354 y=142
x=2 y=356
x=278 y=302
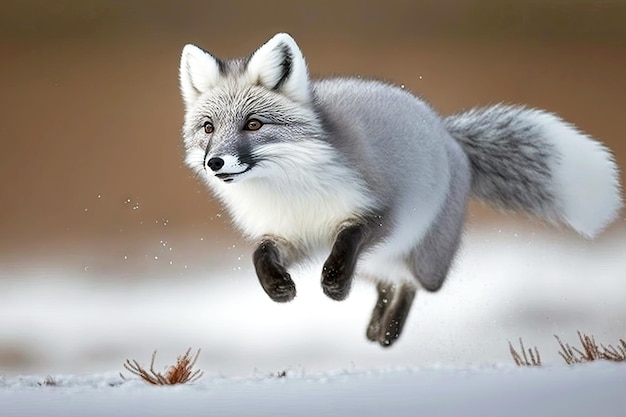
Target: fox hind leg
x=396 y=315
x=385 y=297
x=430 y=261
x=390 y=312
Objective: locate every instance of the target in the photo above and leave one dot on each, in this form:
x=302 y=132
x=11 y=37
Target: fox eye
x=253 y=124
x=208 y=127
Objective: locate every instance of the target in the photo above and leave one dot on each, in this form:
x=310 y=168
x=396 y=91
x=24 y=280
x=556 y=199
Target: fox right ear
x=199 y=71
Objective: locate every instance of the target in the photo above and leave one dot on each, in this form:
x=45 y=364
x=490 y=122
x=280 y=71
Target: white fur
x=381 y=264
x=586 y=178
x=232 y=165
x=194 y=158
x=265 y=67
x=199 y=71
x=305 y=203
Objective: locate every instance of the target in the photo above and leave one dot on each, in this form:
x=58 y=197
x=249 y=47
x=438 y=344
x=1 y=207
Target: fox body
x=370 y=175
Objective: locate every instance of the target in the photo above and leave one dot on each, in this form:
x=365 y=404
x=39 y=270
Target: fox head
x=245 y=117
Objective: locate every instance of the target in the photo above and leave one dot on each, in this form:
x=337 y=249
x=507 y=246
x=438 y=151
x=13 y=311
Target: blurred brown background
x=90 y=163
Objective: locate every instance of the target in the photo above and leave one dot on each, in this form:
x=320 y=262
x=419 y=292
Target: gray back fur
x=375 y=126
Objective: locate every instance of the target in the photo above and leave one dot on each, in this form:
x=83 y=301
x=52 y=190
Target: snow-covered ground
x=591 y=390
x=453 y=358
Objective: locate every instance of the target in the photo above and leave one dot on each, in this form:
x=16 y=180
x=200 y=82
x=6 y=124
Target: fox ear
x=199 y=71
x=279 y=65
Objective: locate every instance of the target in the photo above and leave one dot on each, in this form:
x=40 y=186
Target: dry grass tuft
x=615 y=354
x=590 y=351
x=181 y=373
x=530 y=359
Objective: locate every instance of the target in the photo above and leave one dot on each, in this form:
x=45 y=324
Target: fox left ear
x=279 y=65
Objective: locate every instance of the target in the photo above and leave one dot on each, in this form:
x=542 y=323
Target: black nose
x=215 y=163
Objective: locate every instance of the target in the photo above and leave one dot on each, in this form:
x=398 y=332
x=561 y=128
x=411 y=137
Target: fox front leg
x=339 y=267
x=269 y=262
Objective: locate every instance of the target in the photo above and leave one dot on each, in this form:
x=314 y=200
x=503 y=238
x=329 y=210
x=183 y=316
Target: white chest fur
x=298 y=197
x=308 y=214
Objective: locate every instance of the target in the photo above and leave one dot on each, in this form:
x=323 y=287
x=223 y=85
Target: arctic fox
x=369 y=173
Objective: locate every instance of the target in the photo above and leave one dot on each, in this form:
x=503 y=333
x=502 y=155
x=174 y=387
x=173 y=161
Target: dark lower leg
x=385 y=296
x=273 y=276
x=395 y=316
x=339 y=267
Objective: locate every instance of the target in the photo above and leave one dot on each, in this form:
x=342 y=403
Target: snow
x=552 y=391
x=453 y=358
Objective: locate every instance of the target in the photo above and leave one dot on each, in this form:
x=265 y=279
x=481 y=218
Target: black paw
x=339 y=267
x=278 y=284
x=385 y=338
x=273 y=277
x=282 y=292
x=373 y=331
x=389 y=333
x=336 y=280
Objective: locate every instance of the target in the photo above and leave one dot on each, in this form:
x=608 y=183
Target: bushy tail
x=533 y=161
